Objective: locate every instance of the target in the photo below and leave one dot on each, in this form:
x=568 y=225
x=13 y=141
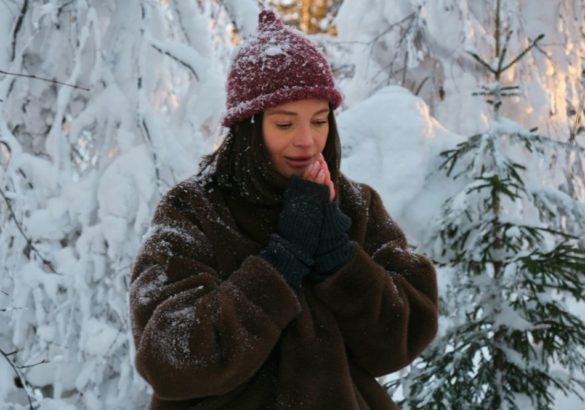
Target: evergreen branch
x=454 y=155
x=531 y=139
x=510 y=87
x=497 y=27
x=555 y=203
x=481 y=61
x=554 y=232
x=497 y=185
x=20 y=377
x=526 y=50
x=504 y=51
x=34 y=77
x=29 y=244
x=557 y=269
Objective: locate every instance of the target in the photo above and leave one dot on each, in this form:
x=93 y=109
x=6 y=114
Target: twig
x=20 y=378
x=534 y=44
x=5 y=144
x=11 y=309
x=44 y=79
x=154 y=156
x=411 y=16
x=17 y=28
x=26 y=366
x=177 y=59
x=421 y=85
x=481 y=61
x=28 y=240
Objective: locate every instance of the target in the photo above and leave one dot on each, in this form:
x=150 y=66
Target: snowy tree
x=423 y=45
x=512 y=241
x=103 y=106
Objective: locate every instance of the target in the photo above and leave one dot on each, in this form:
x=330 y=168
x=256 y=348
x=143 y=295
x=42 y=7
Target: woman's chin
x=288 y=172
x=295 y=172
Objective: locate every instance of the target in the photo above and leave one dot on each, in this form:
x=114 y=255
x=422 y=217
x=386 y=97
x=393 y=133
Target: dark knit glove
x=285 y=258
x=301 y=216
x=334 y=249
x=291 y=250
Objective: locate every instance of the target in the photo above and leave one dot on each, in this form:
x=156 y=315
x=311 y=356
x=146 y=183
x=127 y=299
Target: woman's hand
x=318 y=172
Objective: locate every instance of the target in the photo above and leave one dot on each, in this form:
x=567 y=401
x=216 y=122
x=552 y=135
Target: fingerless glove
x=291 y=250
x=334 y=249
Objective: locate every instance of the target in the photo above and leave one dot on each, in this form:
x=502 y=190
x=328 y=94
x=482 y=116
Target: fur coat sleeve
x=189 y=326
x=385 y=297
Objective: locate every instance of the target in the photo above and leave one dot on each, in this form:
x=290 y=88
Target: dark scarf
x=252 y=189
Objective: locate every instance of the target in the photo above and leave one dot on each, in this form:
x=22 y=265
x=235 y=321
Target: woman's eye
x=320 y=122
x=283 y=126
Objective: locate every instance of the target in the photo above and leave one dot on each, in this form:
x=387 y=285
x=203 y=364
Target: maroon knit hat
x=276 y=65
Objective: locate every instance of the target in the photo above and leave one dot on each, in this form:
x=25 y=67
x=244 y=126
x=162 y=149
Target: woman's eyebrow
x=284 y=112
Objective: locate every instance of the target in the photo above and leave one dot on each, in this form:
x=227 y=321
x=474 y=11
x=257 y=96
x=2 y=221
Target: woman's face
x=295 y=134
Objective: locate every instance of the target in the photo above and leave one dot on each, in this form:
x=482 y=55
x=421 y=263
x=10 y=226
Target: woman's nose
x=303 y=136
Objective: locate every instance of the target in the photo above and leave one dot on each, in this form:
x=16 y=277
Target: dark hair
x=244 y=146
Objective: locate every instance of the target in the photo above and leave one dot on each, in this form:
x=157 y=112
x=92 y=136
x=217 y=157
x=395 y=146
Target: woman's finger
x=311 y=171
x=331 y=191
x=328 y=180
x=315 y=172
x=320 y=179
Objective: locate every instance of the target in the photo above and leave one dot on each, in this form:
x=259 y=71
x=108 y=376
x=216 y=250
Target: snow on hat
x=275 y=66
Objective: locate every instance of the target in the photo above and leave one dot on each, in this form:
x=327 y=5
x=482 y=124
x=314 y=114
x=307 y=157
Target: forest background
x=467 y=116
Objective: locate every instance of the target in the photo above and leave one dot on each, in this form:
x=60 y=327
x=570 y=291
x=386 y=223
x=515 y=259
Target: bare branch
x=8 y=149
x=26 y=366
x=178 y=60
x=44 y=79
x=154 y=156
x=17 y=28
x=20 y=377
x=420 y=86
x=28 y=240
x=11 y=309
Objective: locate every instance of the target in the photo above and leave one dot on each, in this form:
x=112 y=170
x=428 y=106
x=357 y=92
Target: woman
x=269 y=280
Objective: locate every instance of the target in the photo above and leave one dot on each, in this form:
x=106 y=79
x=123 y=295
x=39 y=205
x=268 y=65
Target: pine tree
x=509 y=337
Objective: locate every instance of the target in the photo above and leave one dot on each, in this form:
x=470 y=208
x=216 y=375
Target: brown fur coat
x=217 y=327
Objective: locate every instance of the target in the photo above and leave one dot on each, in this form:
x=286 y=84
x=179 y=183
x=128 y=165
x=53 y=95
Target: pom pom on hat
x=275 y=66
x=268 y=17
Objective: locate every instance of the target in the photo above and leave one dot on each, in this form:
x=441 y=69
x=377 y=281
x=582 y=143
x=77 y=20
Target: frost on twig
x=20 y=380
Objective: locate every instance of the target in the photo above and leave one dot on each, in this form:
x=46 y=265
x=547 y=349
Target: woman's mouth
x=300 y=161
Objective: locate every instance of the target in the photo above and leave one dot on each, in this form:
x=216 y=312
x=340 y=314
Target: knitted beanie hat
x=275 y=66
